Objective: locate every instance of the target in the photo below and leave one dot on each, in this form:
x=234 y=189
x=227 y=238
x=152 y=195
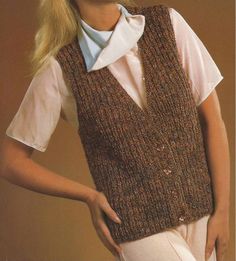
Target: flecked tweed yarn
x=151 y=164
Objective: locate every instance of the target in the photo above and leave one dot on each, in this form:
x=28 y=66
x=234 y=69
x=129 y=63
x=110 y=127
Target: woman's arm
x=217 y=149
x=17 y=167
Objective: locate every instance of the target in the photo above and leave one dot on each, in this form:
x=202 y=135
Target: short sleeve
x=39 y=112
x=201 y=70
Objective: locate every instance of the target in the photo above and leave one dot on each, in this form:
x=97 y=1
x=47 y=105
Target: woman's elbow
x=12 y=151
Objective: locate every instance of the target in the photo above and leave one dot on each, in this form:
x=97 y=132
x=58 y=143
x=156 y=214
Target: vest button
x=174 y=194
x=167 y=171
x=181 y=218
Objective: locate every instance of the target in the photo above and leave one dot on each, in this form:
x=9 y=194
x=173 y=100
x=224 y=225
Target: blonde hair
x=58 y=25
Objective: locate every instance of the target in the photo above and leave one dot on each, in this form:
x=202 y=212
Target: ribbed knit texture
x=150 y=164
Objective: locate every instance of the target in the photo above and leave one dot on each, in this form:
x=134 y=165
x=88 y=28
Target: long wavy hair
x=58 y=25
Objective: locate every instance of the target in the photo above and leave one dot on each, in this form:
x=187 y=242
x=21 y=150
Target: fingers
x=210 y=242
x=209 y=248
x=217 y=236
x=109 y=239
x=110 y=212
x=105 y=206
x=221 y=247
x=99 y=207
x=104 y=234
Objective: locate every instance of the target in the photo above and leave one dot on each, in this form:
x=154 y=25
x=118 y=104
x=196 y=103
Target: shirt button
x=167 y=171
x=181 y=218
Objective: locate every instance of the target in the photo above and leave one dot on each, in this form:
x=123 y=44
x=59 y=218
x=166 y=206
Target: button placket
x=181 y=211
x=182 y=214
x=174 y=194
x=167 y=170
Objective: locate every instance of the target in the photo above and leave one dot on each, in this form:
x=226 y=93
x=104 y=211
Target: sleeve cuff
x=33 y=145
x=211 y=86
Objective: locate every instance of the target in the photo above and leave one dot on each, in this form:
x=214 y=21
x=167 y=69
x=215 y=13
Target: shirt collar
x=100 y=48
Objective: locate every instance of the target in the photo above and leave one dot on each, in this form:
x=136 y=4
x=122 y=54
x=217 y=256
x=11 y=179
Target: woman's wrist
x=222 y=210
x=89 y=195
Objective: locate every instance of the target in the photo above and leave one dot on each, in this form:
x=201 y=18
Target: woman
x=137 y=217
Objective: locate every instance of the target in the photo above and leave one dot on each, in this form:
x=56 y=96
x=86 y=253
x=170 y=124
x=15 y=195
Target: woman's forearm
x=28 y=174
x=217 y=148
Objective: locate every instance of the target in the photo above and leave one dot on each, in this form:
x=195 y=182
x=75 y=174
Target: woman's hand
x=97 y=202
x=217 y=235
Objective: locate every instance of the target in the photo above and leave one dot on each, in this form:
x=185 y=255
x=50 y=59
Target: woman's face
x=98 y=1
x=81 y=3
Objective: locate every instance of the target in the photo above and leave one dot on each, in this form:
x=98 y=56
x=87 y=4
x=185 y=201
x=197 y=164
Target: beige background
x=37 y=227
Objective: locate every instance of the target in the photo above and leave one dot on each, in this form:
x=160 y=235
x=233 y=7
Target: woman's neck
x=101 y=15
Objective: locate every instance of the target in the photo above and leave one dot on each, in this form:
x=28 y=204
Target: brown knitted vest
x=150 y=164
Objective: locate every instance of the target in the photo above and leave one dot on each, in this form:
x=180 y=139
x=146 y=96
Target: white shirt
x=48 y=97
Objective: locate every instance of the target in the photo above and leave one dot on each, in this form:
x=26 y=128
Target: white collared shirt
x=96 y=50
x=48 y=97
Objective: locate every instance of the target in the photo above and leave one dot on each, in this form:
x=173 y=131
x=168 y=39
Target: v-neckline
x=124 y=93
x=146 y=111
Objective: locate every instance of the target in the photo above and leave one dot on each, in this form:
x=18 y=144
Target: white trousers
x=183 y=243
